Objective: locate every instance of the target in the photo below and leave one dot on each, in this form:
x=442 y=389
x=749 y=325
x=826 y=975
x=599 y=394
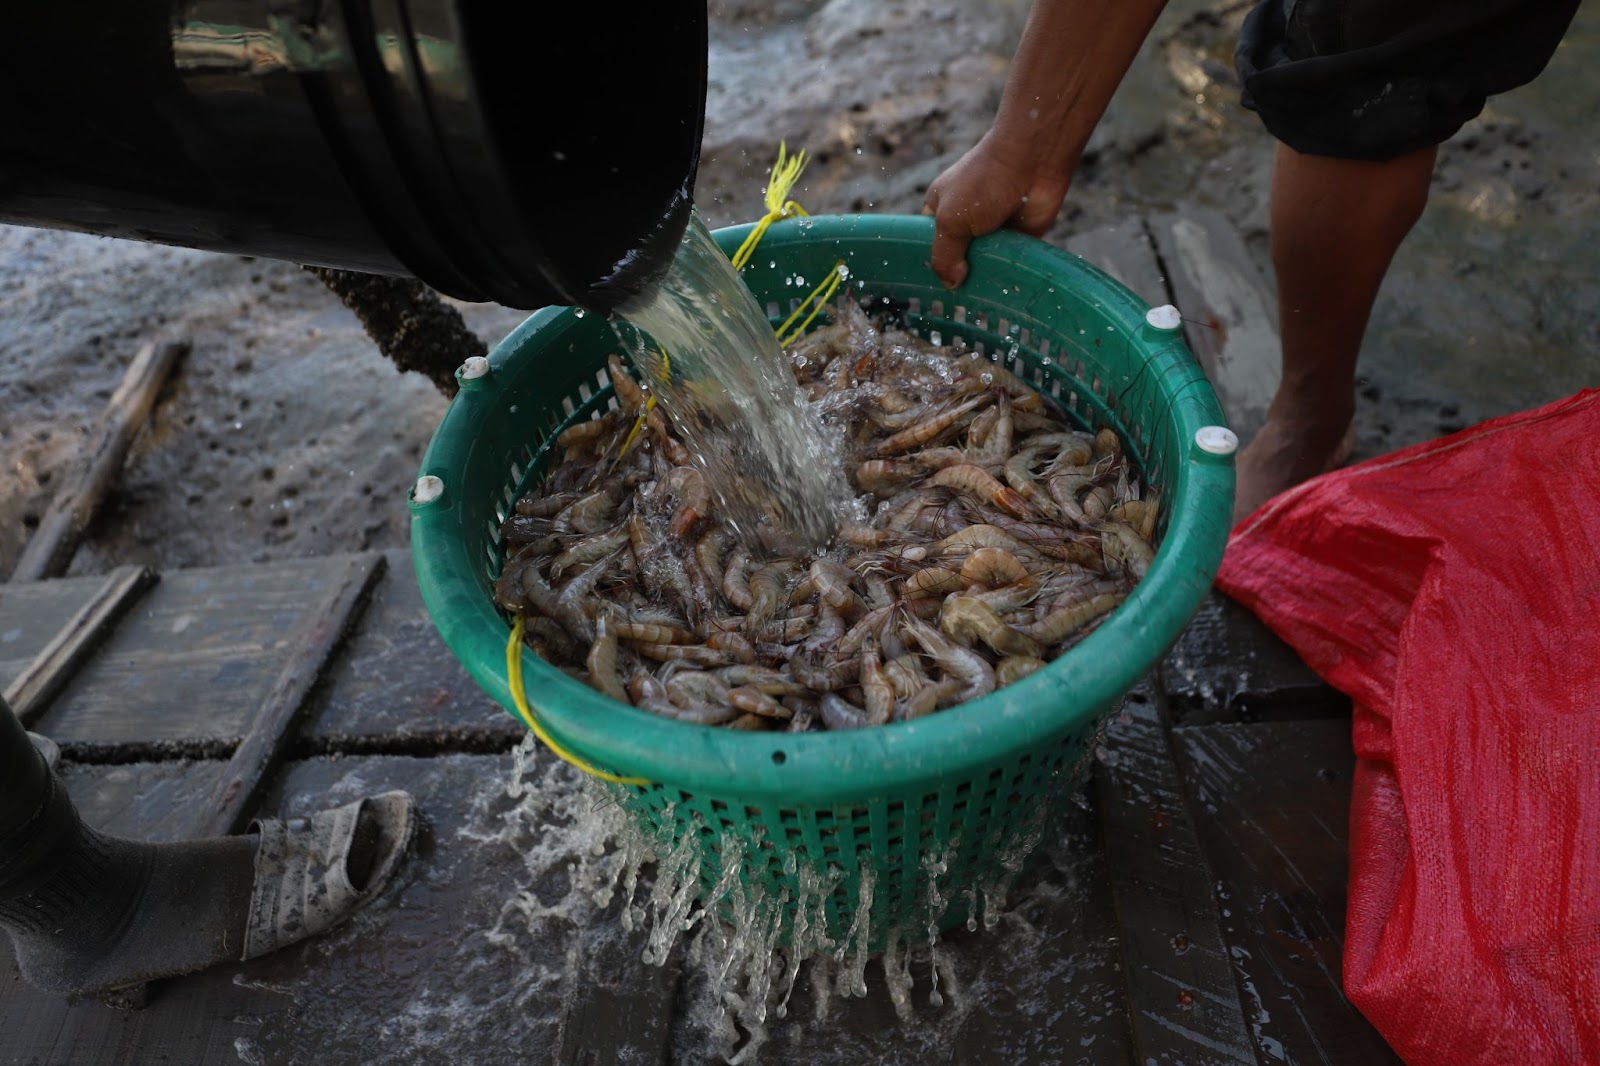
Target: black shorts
x=1374 y=79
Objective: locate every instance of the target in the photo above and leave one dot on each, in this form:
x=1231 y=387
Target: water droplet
x=1181 y=944
x=1185 y=998
x=578 y=312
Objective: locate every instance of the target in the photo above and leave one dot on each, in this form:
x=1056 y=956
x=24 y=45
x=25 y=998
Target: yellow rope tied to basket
x=525 y=712
x=785 y=172
x=814 y=302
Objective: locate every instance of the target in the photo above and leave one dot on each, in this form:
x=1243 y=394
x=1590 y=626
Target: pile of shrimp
x=1000 y=535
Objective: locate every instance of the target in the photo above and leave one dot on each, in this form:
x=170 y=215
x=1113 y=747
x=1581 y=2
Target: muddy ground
x=286 y=434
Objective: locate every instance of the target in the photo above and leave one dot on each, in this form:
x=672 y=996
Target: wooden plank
x=30 y=690
x=32 y=615
x=187 y=671
x=1228 y=307
x=228 y=810
x=396 y=688
x=1277 y=797
x=1125 y=251
x=1183 y=997
x=143 y=800
x=52 y=545
x=1229 y=667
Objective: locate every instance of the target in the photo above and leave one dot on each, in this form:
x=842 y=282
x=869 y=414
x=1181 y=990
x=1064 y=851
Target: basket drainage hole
x=779 y=758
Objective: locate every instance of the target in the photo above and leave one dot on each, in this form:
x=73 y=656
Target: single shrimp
x=734 y=644
x=970 y=670
x=509 y=593
x=805 y=713
x=753 y=701
x=932 y=428
x=933 y=581
x=1122 y=544
x=581 y=436
x=708 y=555
x=766 y=594
x=839 y=713
x=591 y=513
x=652 y=633
x=883 y=476
x=1060 y=624
x=1014 y=668
x=993 y=567
x=832 y=583
x=774 y=683
x=821 y=674
x=588 y=550
x=648 y=693
x=1018 y=472
x=980 y=485
x=997 y=440
x=1139 y=515
x=1008 y=598
x=1107 y=443
x=735 y=580
x=969 y=620
x=630 y=395
x=868 y=626
x=869 y=537
x=602 y=662
x=524 y=529
x=876 y=688
x=545 y=506
x=983 y=535
x=576 y=595
x=1063 y=489
x=695 y=654
x=688 y=486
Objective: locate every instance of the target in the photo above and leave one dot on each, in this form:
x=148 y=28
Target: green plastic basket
x=970 y=787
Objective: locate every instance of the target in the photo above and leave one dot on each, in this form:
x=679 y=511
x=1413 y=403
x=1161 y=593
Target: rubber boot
x=66 y=891
x=91 y=913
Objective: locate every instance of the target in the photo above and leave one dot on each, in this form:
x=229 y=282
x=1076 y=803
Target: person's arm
x=1072 y=56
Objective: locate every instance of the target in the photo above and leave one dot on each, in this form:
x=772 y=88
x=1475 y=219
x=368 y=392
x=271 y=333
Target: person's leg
x=1336 y=224
x=88 y=912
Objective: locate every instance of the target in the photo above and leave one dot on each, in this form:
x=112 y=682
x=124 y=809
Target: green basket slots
x=970 y=787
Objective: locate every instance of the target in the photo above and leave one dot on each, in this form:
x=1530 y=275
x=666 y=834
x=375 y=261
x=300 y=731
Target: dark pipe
x=516 y=152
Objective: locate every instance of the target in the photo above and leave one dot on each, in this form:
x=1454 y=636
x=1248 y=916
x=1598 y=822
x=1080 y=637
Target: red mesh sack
x=1453 y=591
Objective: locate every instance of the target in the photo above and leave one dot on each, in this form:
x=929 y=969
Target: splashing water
x=730 y=394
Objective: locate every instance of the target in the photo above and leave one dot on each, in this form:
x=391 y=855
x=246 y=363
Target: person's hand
x=984 y=190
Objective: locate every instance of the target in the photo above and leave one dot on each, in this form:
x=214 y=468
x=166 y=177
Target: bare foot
x=1282 y=455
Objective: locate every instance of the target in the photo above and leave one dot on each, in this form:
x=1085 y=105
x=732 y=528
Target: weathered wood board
x=1229 y=310
x=1229 y=667
x=395 y=686
x=1183 y=1000
x=195 y=660
x=1273 y=803
x=32 y=614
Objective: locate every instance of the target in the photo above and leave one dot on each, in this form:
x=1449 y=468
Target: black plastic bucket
x=519 y=153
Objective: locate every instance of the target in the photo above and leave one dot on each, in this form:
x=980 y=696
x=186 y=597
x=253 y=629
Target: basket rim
x=833 y=768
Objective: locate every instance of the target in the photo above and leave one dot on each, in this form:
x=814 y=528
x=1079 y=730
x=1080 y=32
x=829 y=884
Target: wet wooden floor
x=1190 y=911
